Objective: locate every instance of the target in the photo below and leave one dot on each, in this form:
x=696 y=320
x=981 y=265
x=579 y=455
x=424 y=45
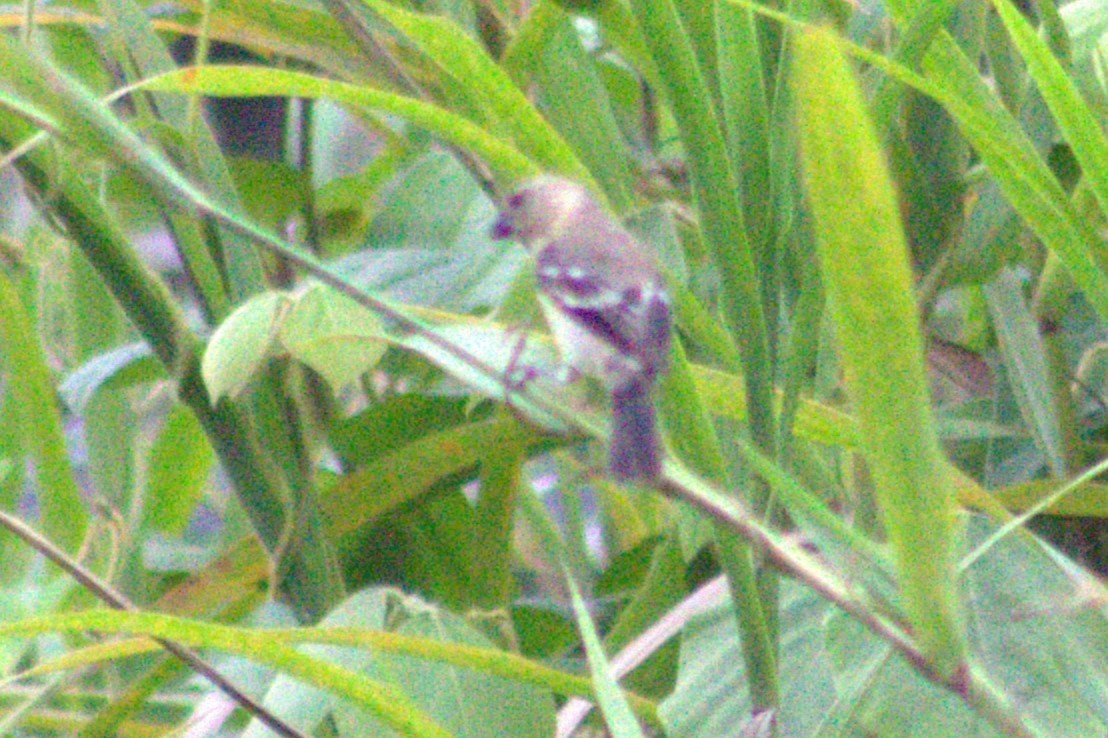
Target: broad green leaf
x=711 y=699
x=1034 y=627
x=393 y=422
x=241 y=344
x=492 y=539
x=492 y=361
x=406 y=217
x=575 y=100
x=469 y=702
x=878 y=693
x=332 y=334
x=1024 y=178
x=1022 y=636
x=109 y=418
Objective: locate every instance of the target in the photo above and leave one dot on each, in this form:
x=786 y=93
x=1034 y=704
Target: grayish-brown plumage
x=605 y=302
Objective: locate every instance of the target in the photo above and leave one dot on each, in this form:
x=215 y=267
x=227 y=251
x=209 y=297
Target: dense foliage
x=265 y=464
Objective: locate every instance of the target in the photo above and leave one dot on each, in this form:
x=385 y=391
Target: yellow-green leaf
x=332 y=334
x=241 y=344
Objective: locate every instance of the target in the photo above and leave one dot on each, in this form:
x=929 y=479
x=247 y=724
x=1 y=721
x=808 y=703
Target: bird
x=607 y=306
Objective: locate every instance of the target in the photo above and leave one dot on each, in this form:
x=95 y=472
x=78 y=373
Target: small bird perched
x=606 y=305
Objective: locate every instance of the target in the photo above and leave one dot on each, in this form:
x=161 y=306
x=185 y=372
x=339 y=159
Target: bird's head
x=538 y=210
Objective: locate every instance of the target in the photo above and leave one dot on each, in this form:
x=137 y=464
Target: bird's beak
x=504 y=227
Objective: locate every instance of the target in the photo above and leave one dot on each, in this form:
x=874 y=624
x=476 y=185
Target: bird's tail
x=634 y=453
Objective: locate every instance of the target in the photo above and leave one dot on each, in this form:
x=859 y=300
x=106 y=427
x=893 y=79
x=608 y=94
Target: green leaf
x=1021 y=347
x=711 y=699
x=178 y=468
x=718 y=198
x=123 y=366
x=31 y=388
x=491 y=359
x=386 y=701
x=613 y=705
x=1023 y=176
x=468 y=702
x=879 y=693
x=870 y=292
x=575 y=100
x=390 y=481
x=493 y=100
x=241 y=344
x=332 y=334
x=1077 y=122
x=459 y=213
x=293 y=30
x=243 y=81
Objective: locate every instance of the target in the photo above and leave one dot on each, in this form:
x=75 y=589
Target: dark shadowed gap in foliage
x=1083 y=538
x=249 y=127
